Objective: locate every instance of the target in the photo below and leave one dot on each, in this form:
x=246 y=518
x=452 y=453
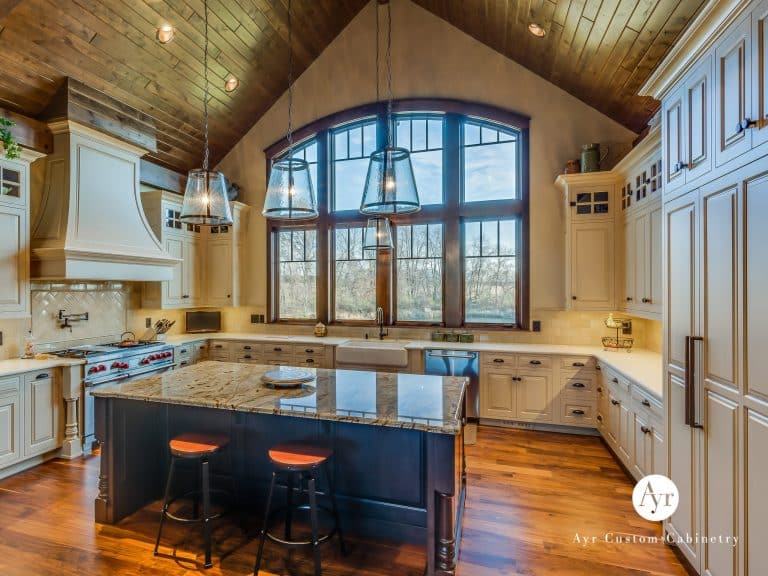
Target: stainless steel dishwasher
x=457 y=363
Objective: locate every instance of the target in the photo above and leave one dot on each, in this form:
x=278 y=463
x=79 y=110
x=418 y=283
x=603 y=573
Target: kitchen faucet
x=380 y=323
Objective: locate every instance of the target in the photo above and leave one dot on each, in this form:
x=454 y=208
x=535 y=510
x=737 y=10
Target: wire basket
x=617 y=343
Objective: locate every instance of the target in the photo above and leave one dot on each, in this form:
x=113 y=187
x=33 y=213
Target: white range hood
x=88 y=222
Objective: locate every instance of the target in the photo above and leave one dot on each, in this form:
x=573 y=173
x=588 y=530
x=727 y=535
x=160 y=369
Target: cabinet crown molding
x=702 y=32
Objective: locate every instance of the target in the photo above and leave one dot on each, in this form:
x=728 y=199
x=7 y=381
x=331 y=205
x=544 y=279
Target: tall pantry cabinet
x=715 y=234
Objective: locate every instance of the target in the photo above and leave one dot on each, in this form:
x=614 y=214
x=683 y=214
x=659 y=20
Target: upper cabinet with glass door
x=12 y=190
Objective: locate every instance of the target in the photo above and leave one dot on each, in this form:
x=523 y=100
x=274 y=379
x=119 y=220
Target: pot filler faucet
x=380 y=323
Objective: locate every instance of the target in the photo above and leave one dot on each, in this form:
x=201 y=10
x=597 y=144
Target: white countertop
x=641 y=366
x=21 y=365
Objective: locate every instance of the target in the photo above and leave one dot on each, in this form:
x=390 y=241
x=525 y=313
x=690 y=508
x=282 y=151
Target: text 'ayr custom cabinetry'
x=713 y=91
x=210 y=271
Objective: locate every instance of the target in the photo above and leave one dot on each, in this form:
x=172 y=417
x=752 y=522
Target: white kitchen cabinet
x=589 y=240
x=43 y=404
x=673 y=140
x=642 y=294
x=10 y=420
x=755 y=471
x=733 y=92
x=225 y=257
x=642 y=446
x=219 y=286
x=535 y=396
x=759 y=112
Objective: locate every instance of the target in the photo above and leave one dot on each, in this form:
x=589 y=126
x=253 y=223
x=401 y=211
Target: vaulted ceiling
x=598 y=50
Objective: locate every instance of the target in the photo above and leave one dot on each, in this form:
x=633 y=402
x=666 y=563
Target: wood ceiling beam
x=29 y=132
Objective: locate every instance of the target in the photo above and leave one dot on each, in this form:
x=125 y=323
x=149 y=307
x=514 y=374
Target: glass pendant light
x=390 y=187
x=205 y=197
x=378 y=234
x=290 y=195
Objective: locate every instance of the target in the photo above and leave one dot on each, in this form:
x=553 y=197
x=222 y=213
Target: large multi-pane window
x=297 y=274
x=419 y=273
x=354 y=274
x=460 y=261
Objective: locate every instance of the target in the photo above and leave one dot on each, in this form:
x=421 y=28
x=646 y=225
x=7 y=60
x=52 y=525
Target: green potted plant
x=10 y=146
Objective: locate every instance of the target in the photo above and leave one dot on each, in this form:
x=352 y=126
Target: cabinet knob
x=615 y=380
x=573 y=298
x=645 y=429
x=615 y=402
x=577 y=412
x=629 y=298
x=745 y=124
x=599 y=418
x=679 y=166
x=600 y=389
x=646 y=300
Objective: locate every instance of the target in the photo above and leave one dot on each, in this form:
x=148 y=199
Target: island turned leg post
x=72 y=446
x=104 y=510
x=446 y=536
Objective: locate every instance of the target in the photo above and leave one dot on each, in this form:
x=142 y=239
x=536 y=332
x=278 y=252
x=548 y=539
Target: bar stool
x=302 y=462
x=200 y=447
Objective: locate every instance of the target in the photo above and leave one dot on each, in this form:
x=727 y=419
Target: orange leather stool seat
x=195 y=444
x=299 y=456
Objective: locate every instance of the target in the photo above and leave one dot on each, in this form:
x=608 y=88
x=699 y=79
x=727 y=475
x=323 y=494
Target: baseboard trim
x=540 y=427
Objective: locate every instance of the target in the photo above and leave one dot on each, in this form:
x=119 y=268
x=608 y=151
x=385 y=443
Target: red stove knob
x=93 y=369
x=124 y=365
x=145 y=361
x=102 y=368
x=115 y=364
x=151 y=357
x=167 y=354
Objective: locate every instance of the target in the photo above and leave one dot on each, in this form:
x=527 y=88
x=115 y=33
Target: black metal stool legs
x=263 y=535
x=166 y=499
x=206 y=481
x=313 y=521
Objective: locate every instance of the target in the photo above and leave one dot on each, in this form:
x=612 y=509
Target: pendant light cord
x=389 y=74
x=289 y=134
x=205 y=91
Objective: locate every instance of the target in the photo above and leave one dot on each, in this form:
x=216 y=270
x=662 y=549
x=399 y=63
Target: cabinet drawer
x=529 y=361
x=309 y=361
x=10 y=385
x=577 y=363
x=574 y=384
x=575 y=413
x=645 y=402
x=308 y=350
x=217 y=346
x=250 y=359
x=247 y=348
x=220 y=355
x=183 y=352
x=499 y=360
x=617 y=383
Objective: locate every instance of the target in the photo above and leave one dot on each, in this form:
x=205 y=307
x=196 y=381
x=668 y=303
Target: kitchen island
x=398 y=463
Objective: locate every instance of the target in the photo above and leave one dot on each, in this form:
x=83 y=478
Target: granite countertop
x=21 y=365
x=412 y=401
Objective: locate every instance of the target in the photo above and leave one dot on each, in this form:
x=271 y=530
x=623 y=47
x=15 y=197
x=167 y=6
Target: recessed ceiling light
x=231 y=84
x=537 y=30
x=165 y=33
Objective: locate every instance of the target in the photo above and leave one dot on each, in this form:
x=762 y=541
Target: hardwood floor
x=529 y=495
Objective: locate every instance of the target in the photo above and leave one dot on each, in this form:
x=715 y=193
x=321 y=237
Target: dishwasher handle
x=468 y=356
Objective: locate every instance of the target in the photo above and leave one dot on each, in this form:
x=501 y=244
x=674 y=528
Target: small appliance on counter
x=203 y=321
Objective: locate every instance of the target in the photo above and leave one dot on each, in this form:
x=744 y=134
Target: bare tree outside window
x=355 y=276
x=420 y=273
x=297 y=252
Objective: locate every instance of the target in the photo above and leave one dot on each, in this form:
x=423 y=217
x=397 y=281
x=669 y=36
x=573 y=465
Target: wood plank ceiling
x=110 y=45
x=598 y=50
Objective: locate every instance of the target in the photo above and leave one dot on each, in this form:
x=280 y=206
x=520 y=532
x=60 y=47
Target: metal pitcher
x=591 y=157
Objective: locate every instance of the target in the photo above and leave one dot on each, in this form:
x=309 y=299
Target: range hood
x=88 y=221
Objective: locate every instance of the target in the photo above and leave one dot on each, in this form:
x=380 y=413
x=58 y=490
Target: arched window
x=461 y=261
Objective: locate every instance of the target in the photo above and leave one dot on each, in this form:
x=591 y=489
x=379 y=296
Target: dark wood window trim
x=451 y=213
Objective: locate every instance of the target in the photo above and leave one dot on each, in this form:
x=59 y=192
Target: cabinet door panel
x=13 y=261
x=592 y=266
x=219 y=274
x=755 y=494
x=497 y=396
x=682 y=447
x=732 y=84
x=760 y=72
x=628 y=297
x=642 y=446
x=721 y=483
x=720 y=271
x=42 y=409
x=641 y=277
x=193 y=272
x=681 y=216
x=659 y=453
x=614 y=419
x=654 y=261
x=535 y=397
x=674 y=142
x=755 y=211
x=625 y=433
x=10 y=428
x=174 y=288
x=698 y=119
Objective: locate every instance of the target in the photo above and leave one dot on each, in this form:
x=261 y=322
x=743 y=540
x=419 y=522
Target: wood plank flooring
x=529 y=495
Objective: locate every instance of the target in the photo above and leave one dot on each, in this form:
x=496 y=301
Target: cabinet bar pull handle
x=183 y=351
x=247 y=356
x=578 y=412
x=218 y=346
x=309 y=361
x=246 y=347
x=645 y=403
x=615 y=402
x=499 y=360
x=578 y=364
x=645 y=429
x=309 y=351
x=690 y=381
x=42 y=376
x=277 y=349
x=578 y=385
x=535 y=362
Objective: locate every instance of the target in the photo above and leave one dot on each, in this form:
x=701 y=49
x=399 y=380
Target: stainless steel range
x=115 y=363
